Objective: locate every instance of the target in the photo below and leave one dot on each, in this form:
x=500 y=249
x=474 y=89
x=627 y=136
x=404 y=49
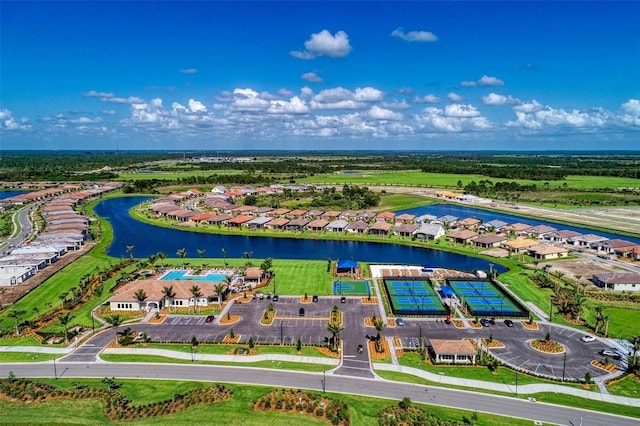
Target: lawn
x=237 y=410
x=624 y=317
x=629 y=386
x=418 y=178
x=297 y=277
x=225 y=349
x=27 y=357
x=279 y=365
x=175 y=175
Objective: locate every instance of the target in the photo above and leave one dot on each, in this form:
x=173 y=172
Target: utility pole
x=564 y=364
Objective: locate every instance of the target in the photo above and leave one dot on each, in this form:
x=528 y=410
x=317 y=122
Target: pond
x=149 y=239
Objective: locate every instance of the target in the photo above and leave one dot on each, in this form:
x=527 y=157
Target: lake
x=8 y=194
x=148 y=239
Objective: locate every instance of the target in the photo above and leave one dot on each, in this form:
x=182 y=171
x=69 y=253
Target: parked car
x=209 y=319
x=360 y=349
x=301 y=312
x=314 y=298
x=484 y=322
x=609 y=353
x=508 y=323
x=588 y=338
x=399 y=321
x=343 y=299
x=276 y=297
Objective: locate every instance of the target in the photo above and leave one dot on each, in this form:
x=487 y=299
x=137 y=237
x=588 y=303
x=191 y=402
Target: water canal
x=149 y=239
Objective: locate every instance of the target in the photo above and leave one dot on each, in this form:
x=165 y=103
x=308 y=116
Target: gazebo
x=347 y=268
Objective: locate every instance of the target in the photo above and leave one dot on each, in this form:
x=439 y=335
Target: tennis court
x=483 y=298
x=351 y=287
x=410 y=297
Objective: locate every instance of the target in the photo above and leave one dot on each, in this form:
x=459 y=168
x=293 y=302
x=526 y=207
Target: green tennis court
x=409 y=297
x=483 y=298
x=351 y=287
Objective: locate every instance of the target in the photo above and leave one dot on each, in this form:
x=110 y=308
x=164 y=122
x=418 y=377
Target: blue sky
x=319 y=75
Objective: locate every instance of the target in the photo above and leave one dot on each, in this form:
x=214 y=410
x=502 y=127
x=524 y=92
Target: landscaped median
x=198 y=355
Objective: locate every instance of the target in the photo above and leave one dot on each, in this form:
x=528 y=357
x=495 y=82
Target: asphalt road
x=334 y=383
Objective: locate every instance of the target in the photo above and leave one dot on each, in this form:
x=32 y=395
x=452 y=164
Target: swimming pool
x=188 y=276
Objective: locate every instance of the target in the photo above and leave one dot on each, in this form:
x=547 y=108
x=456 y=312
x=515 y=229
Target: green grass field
x=236 y=410
x=629 y=387
x=225 y=349
x=418 y=178
x=174 y=175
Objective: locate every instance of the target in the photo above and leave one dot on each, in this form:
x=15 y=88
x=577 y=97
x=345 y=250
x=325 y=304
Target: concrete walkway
x=509 y=388
x=223 y=358
x=37 y=349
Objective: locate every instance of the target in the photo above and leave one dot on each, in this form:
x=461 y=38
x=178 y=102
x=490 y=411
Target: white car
x=587 y=338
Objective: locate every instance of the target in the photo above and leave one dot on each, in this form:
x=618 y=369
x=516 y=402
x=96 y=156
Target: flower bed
x=106 y=311
x=268 y=317
x=305 y=299
x=368 y=321
x=229 y=319
x=476 y=325
x=493 y=344
x=327 y=351
x=335 y=318
x=159 y=320
x=370 y=301
x=548 y=347
x=458 y=324
x=611 y=368
x=231 y=340
x=391 y=323
x=332 y=411
x=379 y=355
x=532 y=326
x=397 y=343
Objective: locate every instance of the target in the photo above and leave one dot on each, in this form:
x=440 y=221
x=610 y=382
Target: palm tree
x=16 y=315
x=267 y=265
x=195 y=291
x=220 y=291
x=182 y=253
x=130 y=251
x=161 y=255
x=635 y=340
x=152 y=259
x=64 y=320
x=224 y=256
x=168 y=294
x=379 y=324
x=201 y=252
x=140 y=296
x=115 y=320
x=248 y=255
x=335 y=330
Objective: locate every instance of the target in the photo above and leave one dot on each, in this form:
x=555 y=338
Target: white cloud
x=325 y=44
x=368 y=94
x=189 y=70
x=196 y=106
x=454 y=119
x=406 y=90
x=311 y=77
x=631 y=115
x=378 y=113
x=295 y=105
x=428 y=99
x=403 y=104
x=495 y=99
x=306 y=92
x=108 y=112
x=534 y=116
x=8 y=121
x=423 y=36
x=111 y=97
x=485 y=80
x=458 y=110
x=454 y=97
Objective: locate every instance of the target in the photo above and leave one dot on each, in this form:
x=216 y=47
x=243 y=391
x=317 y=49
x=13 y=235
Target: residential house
x=258 y=222
x=380 y=228
x=405 y=218
x=520 y=245
x=547 y=252
x=429 y=231
x=337 y=225
x=297 y=224
x=561 y=236
x=238 y=221
x=539 y=231
x=618 y=281
x=357 y=227
x=406 y=230
x=386 y=216
x=317 y=225
x=488 y=241
x=464 y=236
x=425 y=218
x=494 y=225
x=277 y=223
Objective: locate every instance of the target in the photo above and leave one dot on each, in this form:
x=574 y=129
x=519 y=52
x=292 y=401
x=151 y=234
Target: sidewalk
x=223 y=358
x=511 y=389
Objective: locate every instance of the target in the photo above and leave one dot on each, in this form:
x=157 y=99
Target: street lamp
x=564 y=364
x=324 y=381
x=281 y=335
x=55 y=372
